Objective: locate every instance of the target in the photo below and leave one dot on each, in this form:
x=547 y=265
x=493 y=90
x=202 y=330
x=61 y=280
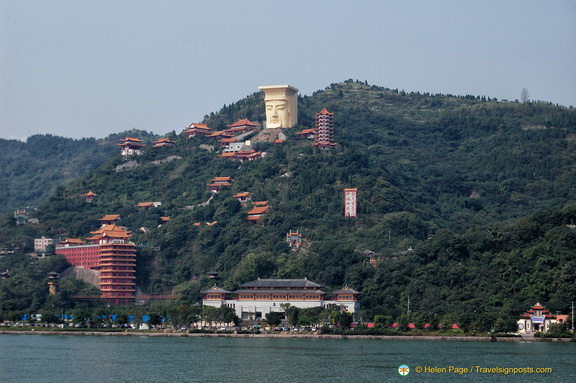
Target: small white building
x=537 y=319
x=40 y=244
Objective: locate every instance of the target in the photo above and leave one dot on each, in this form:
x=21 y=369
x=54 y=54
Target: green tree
x=274 y=318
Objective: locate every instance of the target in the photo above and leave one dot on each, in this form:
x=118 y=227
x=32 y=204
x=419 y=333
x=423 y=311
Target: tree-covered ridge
x=452 y=178
x=31 y=170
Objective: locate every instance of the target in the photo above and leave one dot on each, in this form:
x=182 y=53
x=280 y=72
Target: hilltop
x=463 y=200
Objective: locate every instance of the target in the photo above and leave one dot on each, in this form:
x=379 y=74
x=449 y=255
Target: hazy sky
x=90 y=68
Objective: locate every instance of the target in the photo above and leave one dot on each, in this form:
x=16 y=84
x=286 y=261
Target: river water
x=67 y=358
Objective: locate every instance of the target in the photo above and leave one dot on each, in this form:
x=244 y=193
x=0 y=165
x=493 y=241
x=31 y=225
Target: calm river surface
x=65 y=358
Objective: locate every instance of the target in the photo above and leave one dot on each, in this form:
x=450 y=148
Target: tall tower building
x=324 y=130
x=109 y=252
x=350 y=202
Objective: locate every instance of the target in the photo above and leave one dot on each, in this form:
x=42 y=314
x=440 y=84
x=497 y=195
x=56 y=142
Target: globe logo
x=403 y=370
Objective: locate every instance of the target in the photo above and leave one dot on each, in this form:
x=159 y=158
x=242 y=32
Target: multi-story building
x=324 y=130
x=40 y=244
x=110 y=253
x=257 y=298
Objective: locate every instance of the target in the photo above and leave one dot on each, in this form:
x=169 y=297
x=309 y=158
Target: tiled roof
x=110 y=217
x=324 y=111
x=259 y=203
x=216 y=289
x=258 y=210
x=243 y=122
x=222 y=179
x=76 y=241
x=110 y=231
x=345 y=290
x=301 y=283
x=199 y=126
x=145 y=204
x=243 y=194
x=279 y=290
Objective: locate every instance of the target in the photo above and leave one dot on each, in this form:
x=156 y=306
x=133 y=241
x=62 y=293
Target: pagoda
x=324 y=131
x=90 y=196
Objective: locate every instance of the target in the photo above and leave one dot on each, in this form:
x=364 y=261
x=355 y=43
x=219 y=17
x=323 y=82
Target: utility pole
x=408 y=311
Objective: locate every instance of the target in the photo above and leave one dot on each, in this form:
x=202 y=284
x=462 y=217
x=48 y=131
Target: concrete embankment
x=285 y=335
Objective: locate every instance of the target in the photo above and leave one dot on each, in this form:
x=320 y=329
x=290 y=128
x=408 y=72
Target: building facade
x=40 y=244
x=538 y=319
x=257 y=298
x=110 y=253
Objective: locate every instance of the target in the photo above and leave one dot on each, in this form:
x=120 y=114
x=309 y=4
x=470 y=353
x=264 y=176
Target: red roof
x=258 y=210
x=243 y=122
x=222 y=179
x=324 y=111
x=198 y=126
x=110 y=217
x=220 y=133
x=145 y=204
x=306 y=131
x=111 y=231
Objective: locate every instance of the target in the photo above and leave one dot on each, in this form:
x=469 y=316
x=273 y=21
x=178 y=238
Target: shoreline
x=301 y=336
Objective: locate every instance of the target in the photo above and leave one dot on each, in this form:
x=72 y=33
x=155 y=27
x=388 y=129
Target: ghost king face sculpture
x=281 y=103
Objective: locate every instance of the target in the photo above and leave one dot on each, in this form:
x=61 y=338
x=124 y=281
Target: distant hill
x=31 y=170
x=454 y=192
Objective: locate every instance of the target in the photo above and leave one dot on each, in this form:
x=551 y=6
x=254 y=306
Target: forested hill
x=31 y=170
x=467 y=201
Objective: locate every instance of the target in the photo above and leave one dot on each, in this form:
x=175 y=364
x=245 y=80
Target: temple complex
x=538 y=319
x=110 y=253
x=262 y=296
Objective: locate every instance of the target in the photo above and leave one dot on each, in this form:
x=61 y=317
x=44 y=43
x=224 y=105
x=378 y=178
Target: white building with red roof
x=131 y=145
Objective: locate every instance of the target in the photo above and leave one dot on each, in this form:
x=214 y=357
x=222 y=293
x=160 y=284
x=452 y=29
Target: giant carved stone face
x=281 y=103
x=277 y=114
